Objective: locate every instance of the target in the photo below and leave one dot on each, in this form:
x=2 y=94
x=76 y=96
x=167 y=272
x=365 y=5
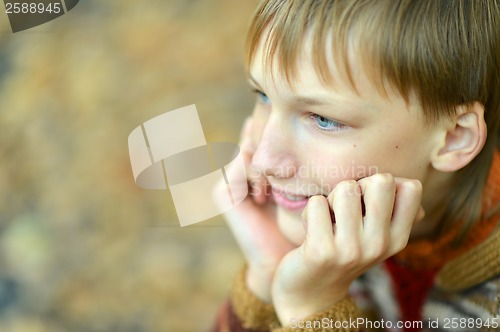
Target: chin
x=291 y=225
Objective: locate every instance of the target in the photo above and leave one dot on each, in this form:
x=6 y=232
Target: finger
x=245 y=143
x=379 y=193
x=246 y=150
x=346 y=204
x=257 y=182
x=260 y=188
x=319 y=229
x=406 y=205
x=420 y=214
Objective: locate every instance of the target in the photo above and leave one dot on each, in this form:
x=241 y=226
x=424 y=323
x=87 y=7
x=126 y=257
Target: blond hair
x=446 y=53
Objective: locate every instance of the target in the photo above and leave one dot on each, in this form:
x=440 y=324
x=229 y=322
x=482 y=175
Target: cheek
x=360 y=160
x=402 y=151
x=259 y=117
x=327 y=170
x=404 y=156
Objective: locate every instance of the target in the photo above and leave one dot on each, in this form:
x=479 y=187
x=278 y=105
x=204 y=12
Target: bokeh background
x=81 y=247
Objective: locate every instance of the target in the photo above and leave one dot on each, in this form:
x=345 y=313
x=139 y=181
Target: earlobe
x=463 y=141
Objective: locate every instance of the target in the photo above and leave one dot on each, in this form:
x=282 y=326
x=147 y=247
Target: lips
x=290 y=201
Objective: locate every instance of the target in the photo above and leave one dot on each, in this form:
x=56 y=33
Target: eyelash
x=338 y=126
x=262 y=98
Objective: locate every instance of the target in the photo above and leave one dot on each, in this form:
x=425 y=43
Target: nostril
x=274 y=161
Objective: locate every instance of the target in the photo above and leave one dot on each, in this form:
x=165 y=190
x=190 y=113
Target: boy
x=373 y=161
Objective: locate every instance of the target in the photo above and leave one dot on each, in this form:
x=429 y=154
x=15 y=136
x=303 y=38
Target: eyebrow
x=254 y=81
x=303 y=100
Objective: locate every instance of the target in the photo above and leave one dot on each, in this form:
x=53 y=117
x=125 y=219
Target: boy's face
x=309 y=140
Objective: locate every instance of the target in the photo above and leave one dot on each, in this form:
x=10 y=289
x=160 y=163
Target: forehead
x=350 y=87
x=387 y=37
x=346 y=76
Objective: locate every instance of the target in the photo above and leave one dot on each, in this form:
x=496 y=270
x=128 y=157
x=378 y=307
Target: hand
x=317 y=274
x=253 y=223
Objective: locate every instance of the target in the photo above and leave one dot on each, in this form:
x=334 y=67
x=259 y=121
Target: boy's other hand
x=253 y=224
x=343 y=240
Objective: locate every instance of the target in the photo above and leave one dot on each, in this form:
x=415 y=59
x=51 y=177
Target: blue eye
x=326 y=124
x=262 y=97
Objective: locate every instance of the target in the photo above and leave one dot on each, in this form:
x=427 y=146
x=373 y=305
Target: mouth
x=290 y=201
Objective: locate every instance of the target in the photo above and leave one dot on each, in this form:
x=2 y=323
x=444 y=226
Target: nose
x=274 y=155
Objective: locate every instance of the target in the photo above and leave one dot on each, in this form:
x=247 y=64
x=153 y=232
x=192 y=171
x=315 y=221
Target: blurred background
x=81 y=247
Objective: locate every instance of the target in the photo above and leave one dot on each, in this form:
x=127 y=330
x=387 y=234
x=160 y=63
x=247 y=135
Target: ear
x=464 y=139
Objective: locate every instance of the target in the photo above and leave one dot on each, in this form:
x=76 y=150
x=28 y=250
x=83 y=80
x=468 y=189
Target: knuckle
x=413 y=185
x=315 y=202
x=399 y=244
x=364 y=181
x=383 y=179
x=348 y=187
x=350 y=258
x=321 y=257
x=378 y=248
x=316 y=199
x=324 y=257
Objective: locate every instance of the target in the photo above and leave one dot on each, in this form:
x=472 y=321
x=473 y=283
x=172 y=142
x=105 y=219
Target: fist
x=360 y=224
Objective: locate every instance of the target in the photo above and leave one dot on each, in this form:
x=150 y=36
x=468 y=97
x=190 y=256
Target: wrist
x=259 y=283
x=290 y=308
